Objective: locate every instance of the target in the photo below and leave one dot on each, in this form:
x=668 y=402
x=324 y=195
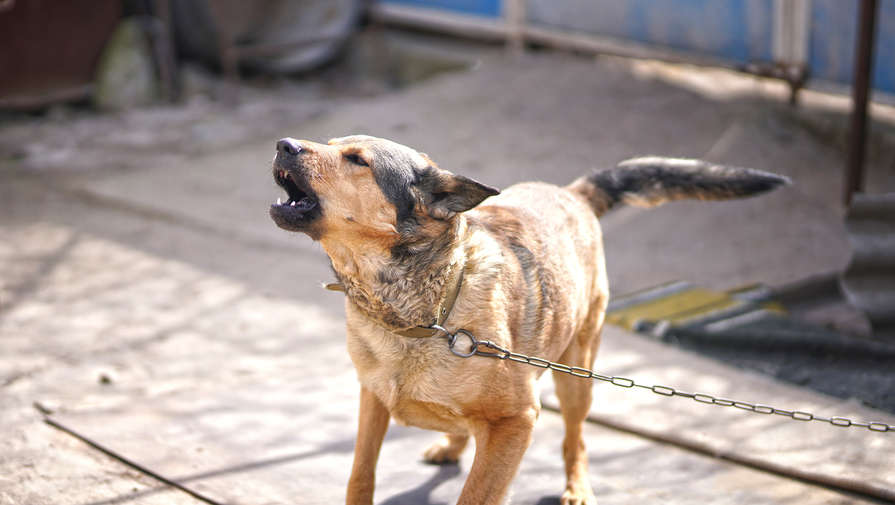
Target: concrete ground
x=148 y=303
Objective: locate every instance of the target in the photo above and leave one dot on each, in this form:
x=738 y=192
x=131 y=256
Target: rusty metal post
x=164 y=51
x=227 y=52
x=515 y=19
x=854 y=175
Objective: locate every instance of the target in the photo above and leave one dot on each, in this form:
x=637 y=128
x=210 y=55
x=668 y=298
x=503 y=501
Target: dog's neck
x=400 y=288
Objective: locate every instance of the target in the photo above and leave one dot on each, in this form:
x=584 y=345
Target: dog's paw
x=578 y=496
x=445 y=451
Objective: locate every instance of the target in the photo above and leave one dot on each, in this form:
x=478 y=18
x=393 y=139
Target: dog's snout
x=289 y=146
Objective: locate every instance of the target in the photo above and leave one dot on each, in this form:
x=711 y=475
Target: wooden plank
x=677 y=308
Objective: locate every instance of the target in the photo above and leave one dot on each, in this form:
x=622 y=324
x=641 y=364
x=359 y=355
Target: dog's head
x=367 y=188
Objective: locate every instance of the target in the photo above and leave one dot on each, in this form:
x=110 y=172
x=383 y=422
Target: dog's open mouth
x=301 y=205
x=299 y=199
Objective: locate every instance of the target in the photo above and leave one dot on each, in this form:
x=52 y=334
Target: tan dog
x=413 y=245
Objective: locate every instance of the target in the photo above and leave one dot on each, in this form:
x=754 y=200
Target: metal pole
x=227 y=51
x=515 y=19
x=854 y=176
x=165 y=51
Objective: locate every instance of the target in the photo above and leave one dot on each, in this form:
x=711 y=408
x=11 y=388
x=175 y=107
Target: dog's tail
x=651 y=181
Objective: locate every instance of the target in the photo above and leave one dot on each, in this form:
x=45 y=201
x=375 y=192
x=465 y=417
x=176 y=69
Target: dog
x=413 y=245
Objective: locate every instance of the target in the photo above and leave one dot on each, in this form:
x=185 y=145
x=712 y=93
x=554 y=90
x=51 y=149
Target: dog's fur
x=534 y=281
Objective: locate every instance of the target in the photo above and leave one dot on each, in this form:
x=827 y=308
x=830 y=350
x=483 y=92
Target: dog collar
x=444 y=308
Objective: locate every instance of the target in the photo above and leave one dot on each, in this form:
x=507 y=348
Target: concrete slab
x=853 y=457
x=71 y=299
x=869 y=281
x=287 y=455
x=245 y=396
x=554 y=119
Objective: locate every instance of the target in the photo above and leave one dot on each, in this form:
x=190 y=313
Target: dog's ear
x=445 y=194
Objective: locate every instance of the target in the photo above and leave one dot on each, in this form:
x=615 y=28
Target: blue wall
x=489 y=8
x=736 y=30
x=833 y=37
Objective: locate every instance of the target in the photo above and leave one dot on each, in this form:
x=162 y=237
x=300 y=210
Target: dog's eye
x=356 y=159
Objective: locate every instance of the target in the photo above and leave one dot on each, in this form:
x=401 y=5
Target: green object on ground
x=126 y=75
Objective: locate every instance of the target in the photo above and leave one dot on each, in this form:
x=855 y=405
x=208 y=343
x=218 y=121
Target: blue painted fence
x=736 y=30
x=487 y=8
x=833 y=31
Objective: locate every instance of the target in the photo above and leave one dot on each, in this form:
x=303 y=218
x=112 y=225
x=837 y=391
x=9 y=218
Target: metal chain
x=491 y=350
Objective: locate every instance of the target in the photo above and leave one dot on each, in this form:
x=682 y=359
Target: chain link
x=491 y=350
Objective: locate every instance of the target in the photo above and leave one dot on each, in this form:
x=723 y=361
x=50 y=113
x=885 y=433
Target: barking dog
x=413 y=245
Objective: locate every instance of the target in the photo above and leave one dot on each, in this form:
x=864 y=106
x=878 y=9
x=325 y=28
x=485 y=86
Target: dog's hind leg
x=574 y=395
x=447 y=450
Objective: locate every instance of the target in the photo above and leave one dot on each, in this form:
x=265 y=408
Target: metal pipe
x=164 y=51
x=514 y=13
x=854 y=175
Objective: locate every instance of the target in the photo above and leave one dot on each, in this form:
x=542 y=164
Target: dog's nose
x=289 y=146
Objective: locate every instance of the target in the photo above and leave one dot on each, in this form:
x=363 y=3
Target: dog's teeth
x=279 y=201
x=293 y=204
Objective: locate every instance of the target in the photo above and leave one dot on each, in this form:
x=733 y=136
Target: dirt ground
x=147 y=302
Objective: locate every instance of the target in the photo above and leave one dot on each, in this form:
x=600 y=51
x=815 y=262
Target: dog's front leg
x=499 y=448
x=372 y=424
